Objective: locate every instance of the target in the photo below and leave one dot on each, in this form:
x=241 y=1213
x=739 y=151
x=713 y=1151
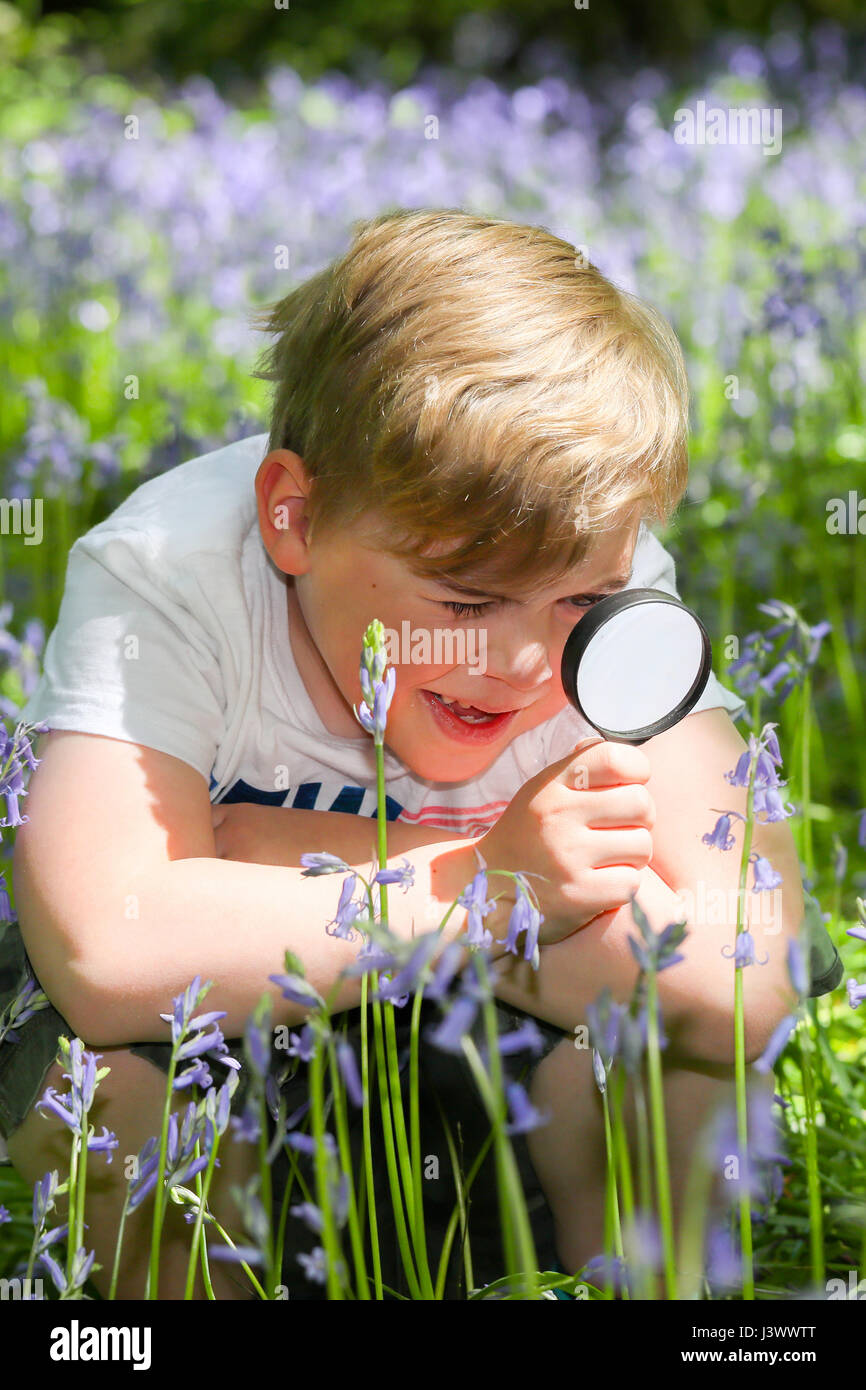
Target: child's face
x=504 y=658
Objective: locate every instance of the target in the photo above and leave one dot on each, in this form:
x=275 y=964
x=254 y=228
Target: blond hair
x=455 y=377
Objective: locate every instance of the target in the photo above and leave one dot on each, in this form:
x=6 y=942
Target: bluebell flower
x=777 y=1042
x=724 y=1268
x=658 y=951
x=5 y=1215
x=348 y=1064
x=299 y=990
x=347 y=911
x=310 y=1214
x=797 y=968
x=598 y=1070
x=28 y=1001
x=446 y=968
x=322 y=863
x=315 y=1265
x=861 y=829
x=719 y=837
x=401 y=985
x=856 y=993
x=81 y=1267
x=766 y=877
x=447 y=1036
x=227 y=1254
x=527 y=1037
x=744 y=951
x=404 y=875
x=43 y=1197
x=524 y=918
x=303 y=1044
x=604 y=1017
x=525 y=1116
x=474 y=898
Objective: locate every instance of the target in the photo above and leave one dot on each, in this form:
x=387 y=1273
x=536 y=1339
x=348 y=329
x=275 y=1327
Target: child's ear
x=282 y=489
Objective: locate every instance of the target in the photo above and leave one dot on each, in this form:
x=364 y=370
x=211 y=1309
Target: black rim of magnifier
x=584 y=631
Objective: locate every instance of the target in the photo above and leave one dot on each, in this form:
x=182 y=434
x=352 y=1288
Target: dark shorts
x=446 y=1088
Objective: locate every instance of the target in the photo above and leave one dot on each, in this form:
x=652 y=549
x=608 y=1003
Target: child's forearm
x=232 y=922
x=696 y=994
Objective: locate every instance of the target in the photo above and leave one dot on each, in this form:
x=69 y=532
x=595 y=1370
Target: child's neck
x=330 y=706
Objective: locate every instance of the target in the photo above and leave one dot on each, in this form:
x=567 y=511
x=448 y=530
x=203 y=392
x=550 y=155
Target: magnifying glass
x=636 y=664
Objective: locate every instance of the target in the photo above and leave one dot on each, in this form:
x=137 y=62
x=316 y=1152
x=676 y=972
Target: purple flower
x=777 y=1042
x=303 y=1044
x=145 y=1173
x=296 y=988
x=598 y=1070
x=605 y=1018
x=525 y=1117
x=458 y=1021
x=43 y=1197
x=315 y=1265
x=768 y=803
x=446 y=968
x=81 y=1266
x=526 y=1037
x=236 y=1254
x=723 y=1268
x=861 y=829
x=766 y=877
x=797 y=968
x=322 y=863
x=744 y=951
x=405 y=982
x=856 y=994
x=310 y=1214
x=374 y=719
x=347 y=911
x=524 y=917
x=719 y=838
x=5 y=1215
x=348 y=1064
x=658 y=952
x=404 y=875
x=29 y=1000
x=474 y=898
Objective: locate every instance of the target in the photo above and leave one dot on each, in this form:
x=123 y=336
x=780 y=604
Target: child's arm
x=697 y=994
x=122 y=901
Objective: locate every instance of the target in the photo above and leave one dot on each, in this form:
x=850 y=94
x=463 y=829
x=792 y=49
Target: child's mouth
x=466 y=723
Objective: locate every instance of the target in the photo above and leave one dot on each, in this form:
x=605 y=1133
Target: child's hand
x=584 y=824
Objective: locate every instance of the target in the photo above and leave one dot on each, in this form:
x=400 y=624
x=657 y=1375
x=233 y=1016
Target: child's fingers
x=600 y=763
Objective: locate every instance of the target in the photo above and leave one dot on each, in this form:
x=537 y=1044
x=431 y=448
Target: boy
x=469 y=426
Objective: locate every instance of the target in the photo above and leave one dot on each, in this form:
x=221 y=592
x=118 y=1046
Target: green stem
x=342 y=1126
x=320 y=1165
x=657 y=1112
x=198 y=1230
x=810 y=1136
x=159 y=1191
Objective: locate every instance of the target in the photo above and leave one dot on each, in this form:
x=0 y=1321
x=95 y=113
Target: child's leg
x=130 y=1102
x=569 y=1152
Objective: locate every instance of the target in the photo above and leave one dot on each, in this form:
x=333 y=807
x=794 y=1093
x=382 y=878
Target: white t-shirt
x=173 y=633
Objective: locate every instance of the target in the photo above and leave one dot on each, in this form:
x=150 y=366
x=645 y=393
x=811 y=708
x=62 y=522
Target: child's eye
x=468 y=610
